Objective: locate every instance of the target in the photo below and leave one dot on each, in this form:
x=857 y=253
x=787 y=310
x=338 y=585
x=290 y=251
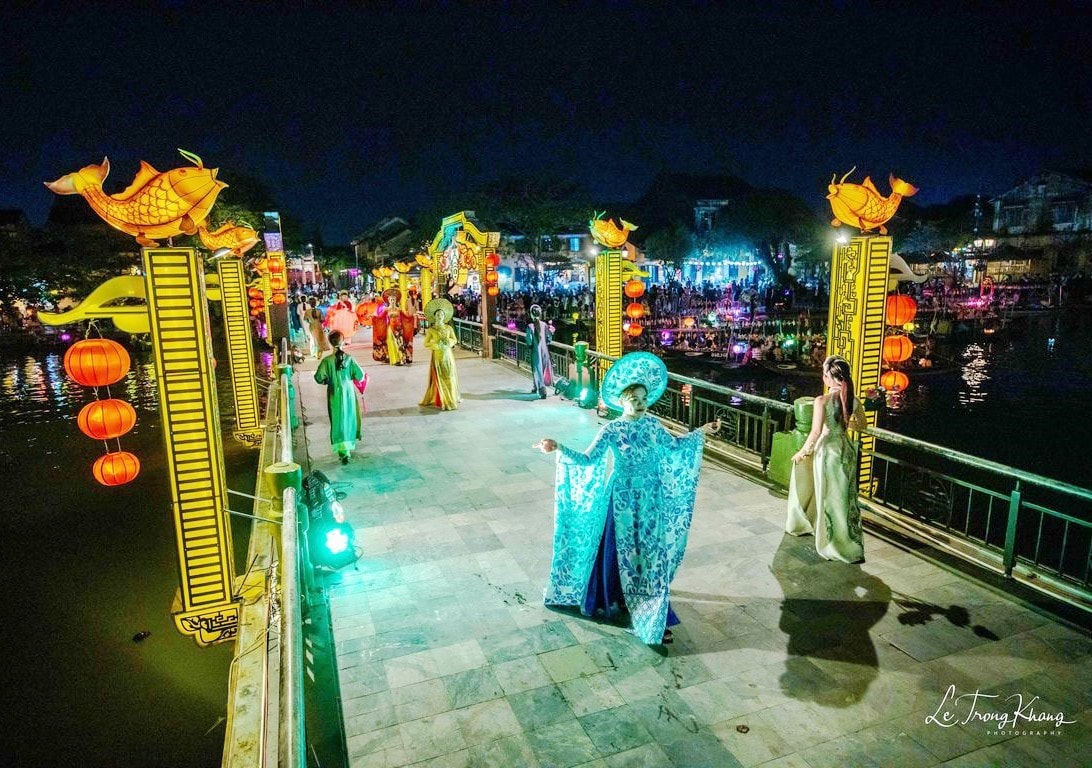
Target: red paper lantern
x=117 y=468
x=900 y=309
x=490 y=277
x=635 y=311
x=493 y=290
x=635 y=288
x=634 y=329
x=96 y=362
x=894 y=381
x=492 y=260
x=106 y=419
x=896 y=349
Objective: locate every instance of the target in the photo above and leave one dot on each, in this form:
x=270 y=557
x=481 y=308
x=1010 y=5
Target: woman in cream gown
x=827 y=505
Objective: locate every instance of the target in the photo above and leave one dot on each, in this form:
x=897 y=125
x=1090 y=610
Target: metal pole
x=291 y=739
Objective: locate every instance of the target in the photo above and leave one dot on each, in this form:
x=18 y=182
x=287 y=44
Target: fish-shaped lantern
x=238 y=237
x=607 y=233
x=155 y=205
x=862 y=205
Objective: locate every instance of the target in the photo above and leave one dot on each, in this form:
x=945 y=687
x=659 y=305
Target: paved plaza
x=448 y=658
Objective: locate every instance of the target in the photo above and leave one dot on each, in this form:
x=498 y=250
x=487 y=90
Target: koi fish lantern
x=155 y=205
x=862 y=205
x=607 y=233
x=238 y=238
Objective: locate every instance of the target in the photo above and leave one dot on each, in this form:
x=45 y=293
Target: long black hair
x=838 y=369
x=339 y=356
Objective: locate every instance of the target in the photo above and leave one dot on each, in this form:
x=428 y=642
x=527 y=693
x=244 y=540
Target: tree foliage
x=767 y=221
x=671 y=245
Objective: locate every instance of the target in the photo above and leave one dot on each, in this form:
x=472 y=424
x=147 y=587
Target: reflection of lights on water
x=975 y=373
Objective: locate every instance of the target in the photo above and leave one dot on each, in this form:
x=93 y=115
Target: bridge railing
x=1025 y=526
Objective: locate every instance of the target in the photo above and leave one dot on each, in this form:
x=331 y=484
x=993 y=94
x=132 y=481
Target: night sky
x=353 y=112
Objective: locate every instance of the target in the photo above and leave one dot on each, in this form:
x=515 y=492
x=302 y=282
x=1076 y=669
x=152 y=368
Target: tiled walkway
x=448 y=658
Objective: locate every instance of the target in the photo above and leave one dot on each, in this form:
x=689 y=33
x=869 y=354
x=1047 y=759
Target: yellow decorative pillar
x=858 y=297
x=205 y=607
x=240 y=346
x=608 y=306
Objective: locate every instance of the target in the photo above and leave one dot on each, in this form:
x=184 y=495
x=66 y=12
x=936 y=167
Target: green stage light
x=331 y=541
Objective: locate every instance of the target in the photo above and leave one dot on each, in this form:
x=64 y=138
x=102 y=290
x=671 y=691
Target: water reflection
x=35 y=388
x=975 y=373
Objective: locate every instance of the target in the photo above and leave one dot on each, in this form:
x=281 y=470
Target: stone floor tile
x=562 y=745
x=521 y=674
x=615 y=730
x=412 y=702
x=471 y=687
x=540 y=706
x=644 y=756
x=431 y=737
x=504 y=753
x=590 y=694
x=488 y=721
x=568 y=663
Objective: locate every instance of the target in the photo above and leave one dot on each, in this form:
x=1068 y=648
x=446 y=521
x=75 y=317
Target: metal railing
x=1017 y=517
x=1020 y=524
x=748 y=422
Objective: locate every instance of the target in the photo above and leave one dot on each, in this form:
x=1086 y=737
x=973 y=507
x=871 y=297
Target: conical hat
x=439 y=303
x=397 y=294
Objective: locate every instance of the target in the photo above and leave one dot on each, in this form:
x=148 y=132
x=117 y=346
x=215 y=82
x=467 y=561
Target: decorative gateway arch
x=462 y=246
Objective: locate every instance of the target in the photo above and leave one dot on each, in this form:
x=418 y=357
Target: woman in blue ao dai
x=619 y=539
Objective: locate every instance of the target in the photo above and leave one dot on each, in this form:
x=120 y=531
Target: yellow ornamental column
x=426 y=278
x=608 y=285
x=205 y=606
x=402 y=268
x=858 y=289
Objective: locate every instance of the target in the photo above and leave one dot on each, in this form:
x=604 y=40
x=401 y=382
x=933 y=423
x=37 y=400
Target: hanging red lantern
x=490 y=277
x=634 y=288
x=492 y=260
x=96 y=362
x=493 y=290
x=897 y=348
x=117 y=468
x=635 y=311
x=106 y=419
x=894 y=381
x=900 y=309
x=634 y=329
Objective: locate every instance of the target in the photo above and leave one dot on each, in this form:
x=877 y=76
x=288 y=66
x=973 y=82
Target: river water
x=1021 y=397
x=86 y=568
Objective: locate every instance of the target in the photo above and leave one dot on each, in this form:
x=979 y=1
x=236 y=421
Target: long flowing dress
x=321 y=341
x=542 y=370
x=443 y=379
x=379 y=334
x=342 y=401
x=645 y=506
x=823 y=492
x=341 y=317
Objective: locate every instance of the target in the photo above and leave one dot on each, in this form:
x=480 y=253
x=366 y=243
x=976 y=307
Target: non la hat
x=439 y=303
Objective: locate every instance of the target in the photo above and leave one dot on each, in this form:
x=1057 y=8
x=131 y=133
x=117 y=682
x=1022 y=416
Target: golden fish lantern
x=607 y=233
x=862 y=205
x=238 y=238
x=155 y=205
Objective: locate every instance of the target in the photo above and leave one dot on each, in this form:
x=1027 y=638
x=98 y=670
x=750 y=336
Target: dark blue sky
x=352 y=112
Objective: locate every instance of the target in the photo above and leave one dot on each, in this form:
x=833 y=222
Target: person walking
x=338 y=372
